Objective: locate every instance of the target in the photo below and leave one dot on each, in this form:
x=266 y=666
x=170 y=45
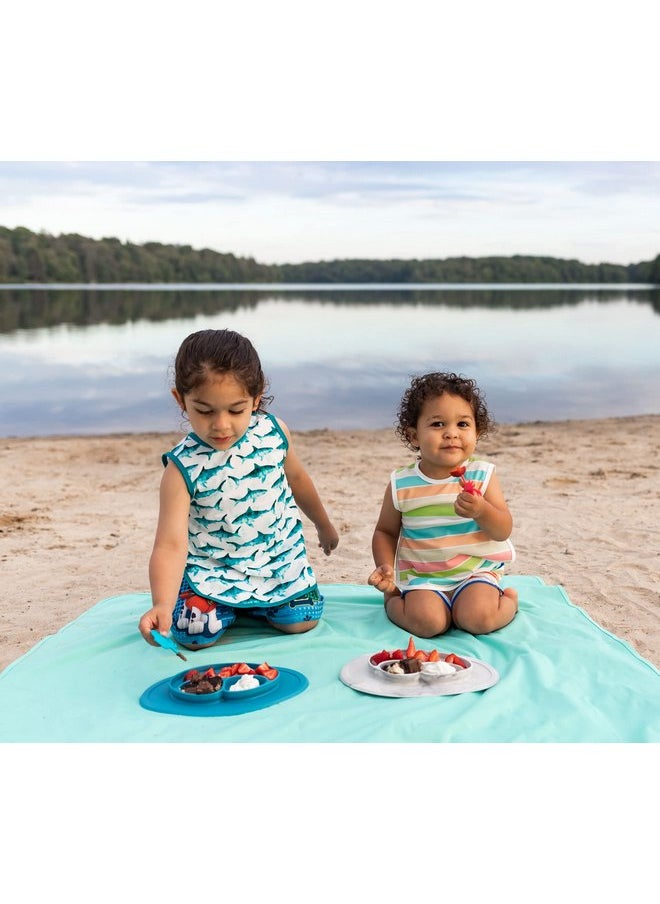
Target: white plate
x=361 y=676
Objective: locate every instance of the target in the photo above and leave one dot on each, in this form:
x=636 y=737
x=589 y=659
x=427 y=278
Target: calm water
x=76 y=362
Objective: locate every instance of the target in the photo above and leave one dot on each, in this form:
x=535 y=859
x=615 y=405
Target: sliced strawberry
x=410 y=649
x=422 y=655
x=244 y=669
x=397 y=654
x=271 y=673
x=192 y=675
x=209 y=673
x=434 y=656
x=225 y=672
x=380 y=657
x=262 y=669
x=456 y=660
x=234 y=667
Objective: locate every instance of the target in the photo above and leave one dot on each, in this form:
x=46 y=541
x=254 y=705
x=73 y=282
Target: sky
x=293 y=211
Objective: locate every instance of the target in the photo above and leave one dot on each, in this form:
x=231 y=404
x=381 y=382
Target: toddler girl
x=442 y=537
x=229 y=536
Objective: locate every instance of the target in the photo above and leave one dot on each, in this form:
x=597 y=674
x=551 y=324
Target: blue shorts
x=197 y=621
x=449 y=596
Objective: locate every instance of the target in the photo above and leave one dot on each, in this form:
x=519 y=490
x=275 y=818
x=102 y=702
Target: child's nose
x=221 y=421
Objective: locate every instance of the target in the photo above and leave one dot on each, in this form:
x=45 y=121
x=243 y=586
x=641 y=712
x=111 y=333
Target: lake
x=98 y=359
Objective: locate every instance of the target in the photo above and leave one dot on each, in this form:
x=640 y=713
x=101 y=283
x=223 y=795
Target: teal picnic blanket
x=562 y=679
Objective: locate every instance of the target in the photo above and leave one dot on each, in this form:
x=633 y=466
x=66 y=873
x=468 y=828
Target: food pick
x=167 y=643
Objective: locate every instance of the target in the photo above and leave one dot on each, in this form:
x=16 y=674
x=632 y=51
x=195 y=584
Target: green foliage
x=29 y=257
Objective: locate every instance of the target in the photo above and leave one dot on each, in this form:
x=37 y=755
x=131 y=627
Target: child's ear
x=411 y=436
x=178 y=399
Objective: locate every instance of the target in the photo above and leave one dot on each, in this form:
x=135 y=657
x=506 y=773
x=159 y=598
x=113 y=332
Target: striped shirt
x=437 y=548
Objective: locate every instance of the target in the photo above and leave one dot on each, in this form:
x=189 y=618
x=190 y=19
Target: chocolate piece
x=411 y=665
x=201 y=685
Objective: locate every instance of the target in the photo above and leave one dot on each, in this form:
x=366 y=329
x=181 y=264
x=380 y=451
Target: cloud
x=279 y=211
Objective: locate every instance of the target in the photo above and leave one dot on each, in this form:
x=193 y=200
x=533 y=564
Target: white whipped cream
x=395 y=669
x=245 y=683
x=438 y=668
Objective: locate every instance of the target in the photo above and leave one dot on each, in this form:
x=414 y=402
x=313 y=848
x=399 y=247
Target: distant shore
x=80 y=514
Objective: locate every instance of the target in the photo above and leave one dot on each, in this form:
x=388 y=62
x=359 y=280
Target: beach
x=79 y=515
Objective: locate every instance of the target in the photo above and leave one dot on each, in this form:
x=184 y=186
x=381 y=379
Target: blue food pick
x=167 y=643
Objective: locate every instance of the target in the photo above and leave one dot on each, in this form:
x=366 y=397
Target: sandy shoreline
x=79 y=514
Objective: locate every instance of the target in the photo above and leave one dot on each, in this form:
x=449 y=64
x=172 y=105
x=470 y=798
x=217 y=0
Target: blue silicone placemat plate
x=157 y=698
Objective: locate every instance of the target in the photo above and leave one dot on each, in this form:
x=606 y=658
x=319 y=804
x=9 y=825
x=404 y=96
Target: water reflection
x=33 y=308
x=98 y=362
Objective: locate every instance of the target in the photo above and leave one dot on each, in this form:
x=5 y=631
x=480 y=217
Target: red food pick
x=467 y=486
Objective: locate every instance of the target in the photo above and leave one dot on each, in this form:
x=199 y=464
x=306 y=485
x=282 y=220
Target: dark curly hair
x=219 y=351
x=433 y=385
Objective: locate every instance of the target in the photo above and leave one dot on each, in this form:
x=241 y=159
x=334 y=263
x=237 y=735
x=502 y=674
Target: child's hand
x=382 y=578
x=468 y=505
x=328 y=539
x=159 y=619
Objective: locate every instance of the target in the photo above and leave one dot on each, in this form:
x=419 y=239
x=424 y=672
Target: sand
x=79 y=514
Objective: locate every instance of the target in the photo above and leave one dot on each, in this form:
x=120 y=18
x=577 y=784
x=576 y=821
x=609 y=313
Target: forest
x=38 y=257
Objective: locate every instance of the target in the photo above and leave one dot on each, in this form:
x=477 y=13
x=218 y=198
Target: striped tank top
x=437 y=548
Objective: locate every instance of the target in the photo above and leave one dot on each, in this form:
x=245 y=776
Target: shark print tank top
x=245 y=537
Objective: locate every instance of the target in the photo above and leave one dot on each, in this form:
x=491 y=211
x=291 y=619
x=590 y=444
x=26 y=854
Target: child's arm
x=490 y=511
x=307 y=497
x=383 y=545
x=169 y=554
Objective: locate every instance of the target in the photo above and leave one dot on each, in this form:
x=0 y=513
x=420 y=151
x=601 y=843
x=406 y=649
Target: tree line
x=39 y=257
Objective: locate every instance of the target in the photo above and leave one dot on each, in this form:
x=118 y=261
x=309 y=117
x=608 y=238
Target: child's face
x=219 y=410
x=446 y=434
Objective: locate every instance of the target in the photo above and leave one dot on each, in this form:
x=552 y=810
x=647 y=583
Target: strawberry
x=234 y=667
x=434 y=656
x=453 y=659
x=225 y=672
x=380 y=657
x=244 y=669
x=410 y=649
x=192 y=675
x=397 y=654
x=271 y=673
x=422 y=655
x=209 y=673
x=262 y=669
